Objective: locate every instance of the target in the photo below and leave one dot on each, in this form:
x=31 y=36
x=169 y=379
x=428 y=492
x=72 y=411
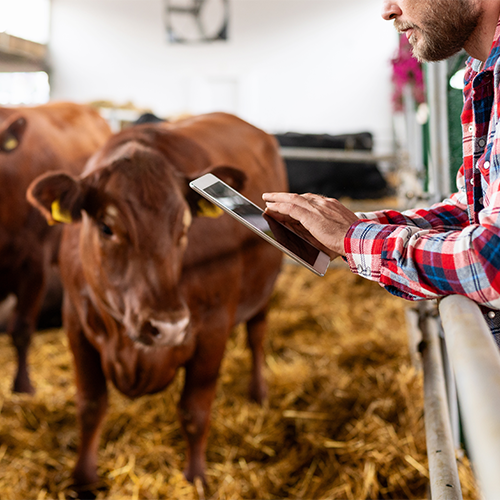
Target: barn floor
x=344 y=418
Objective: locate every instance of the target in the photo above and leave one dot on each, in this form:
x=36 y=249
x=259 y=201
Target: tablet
x=253 y=217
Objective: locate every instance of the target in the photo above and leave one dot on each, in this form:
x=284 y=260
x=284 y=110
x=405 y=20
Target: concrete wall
x=311 y=66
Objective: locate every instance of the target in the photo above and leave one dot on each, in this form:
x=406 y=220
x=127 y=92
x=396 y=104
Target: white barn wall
x=311 y=66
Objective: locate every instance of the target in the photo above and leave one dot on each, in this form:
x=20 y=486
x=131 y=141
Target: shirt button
x=481 y=200
x=472 y=182
x=486 y=164
x=471 y=128
x=491 y=314
x=481 y=143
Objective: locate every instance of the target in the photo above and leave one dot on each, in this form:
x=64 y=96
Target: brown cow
x=150 y=285
x=34 y=140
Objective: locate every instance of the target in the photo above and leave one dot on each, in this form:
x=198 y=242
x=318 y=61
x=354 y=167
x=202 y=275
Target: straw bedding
x=344 y=419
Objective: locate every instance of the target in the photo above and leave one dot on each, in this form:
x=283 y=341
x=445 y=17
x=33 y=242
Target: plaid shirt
x=453 y=247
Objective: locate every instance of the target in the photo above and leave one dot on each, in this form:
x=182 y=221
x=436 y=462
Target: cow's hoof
x=85 y=494
x=195 y=476
x=23 y=387
x=89 y=491
x=85 y=479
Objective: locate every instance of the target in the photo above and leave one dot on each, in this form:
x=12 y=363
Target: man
x=454 y=246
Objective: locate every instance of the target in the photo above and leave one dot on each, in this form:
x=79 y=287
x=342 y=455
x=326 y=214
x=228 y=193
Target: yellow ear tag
x=10 y=143
x=207 y=209
x=60 y=215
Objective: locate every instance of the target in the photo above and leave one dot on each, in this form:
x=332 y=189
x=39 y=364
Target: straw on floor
x=344 y=419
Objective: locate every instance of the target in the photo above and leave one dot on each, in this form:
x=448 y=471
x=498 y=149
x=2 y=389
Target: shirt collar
x=495 y=50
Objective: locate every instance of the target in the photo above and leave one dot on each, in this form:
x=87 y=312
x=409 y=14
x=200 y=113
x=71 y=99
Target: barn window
x=24 y=33
x=24 y=88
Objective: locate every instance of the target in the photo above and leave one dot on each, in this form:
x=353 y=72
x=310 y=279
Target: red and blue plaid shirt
x=452 y=247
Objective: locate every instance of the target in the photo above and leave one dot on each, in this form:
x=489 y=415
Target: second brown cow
x=151 y=285
x=34 y=140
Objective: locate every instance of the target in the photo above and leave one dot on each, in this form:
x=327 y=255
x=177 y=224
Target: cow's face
x=134 y=230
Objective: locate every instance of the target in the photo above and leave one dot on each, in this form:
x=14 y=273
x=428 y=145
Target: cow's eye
x=105 y=229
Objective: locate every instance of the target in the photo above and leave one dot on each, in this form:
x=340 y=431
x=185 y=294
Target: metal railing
x=343 y=155
x=475 y=359
x=443 y=471
x=460 y=360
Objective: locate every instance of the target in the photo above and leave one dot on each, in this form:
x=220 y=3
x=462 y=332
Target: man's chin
x=421 y=52
x=417 y=50
x=428 y=57
x=424 y=51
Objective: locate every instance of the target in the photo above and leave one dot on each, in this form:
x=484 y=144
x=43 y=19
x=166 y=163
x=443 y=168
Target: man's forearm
x=424 y=264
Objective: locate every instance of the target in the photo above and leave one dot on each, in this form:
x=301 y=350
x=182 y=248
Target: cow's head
x=135 y=211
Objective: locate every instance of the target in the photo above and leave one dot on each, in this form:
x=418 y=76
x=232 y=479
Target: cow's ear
x=58 y=196
x=11 y=133
x=200 y=206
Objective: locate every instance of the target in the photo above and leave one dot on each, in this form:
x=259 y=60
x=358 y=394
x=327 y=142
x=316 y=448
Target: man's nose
x=390 y=10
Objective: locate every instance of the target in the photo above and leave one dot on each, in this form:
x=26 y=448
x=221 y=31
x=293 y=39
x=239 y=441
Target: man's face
x=436 y=29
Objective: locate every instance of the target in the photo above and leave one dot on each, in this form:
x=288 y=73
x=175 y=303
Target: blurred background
x=315 y=66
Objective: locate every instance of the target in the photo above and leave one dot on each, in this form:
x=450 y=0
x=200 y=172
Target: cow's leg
x=23 y=323
x=92 y=398
x=195 y=405
x=20 y=330
x=256 y=330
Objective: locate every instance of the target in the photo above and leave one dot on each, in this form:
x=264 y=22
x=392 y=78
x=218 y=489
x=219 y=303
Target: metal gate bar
x=321 y=154
x=443 y=472
x=475 y=359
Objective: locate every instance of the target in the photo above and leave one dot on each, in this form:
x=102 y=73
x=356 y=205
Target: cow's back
x=228 y=140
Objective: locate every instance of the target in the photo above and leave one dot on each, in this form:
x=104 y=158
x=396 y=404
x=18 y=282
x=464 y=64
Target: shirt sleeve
x=424 y=254
x=447 y=215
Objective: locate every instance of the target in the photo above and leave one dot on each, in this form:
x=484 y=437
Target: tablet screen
x=254 y=216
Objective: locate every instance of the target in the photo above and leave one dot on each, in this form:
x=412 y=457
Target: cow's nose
x=163 y=332
x=391 y=10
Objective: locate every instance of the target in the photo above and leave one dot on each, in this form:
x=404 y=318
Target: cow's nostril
x=147 y=333
x=154 y=331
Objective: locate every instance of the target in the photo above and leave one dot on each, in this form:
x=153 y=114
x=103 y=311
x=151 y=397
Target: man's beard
x=447 y=27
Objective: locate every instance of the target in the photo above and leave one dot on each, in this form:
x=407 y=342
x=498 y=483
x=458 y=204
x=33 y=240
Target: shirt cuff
x=363 y=246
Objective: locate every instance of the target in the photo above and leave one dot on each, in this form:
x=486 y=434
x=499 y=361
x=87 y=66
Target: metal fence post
x=443 y=472
x=475 y=359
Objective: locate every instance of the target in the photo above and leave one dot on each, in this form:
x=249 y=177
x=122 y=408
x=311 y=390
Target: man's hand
x=325 y=219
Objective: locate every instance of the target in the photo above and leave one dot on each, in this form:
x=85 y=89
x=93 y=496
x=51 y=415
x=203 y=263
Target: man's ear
x=58 y=196
x=200 y=206
x=11 y=133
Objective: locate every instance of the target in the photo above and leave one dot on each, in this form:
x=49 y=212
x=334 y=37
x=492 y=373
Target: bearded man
x=453 y=247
